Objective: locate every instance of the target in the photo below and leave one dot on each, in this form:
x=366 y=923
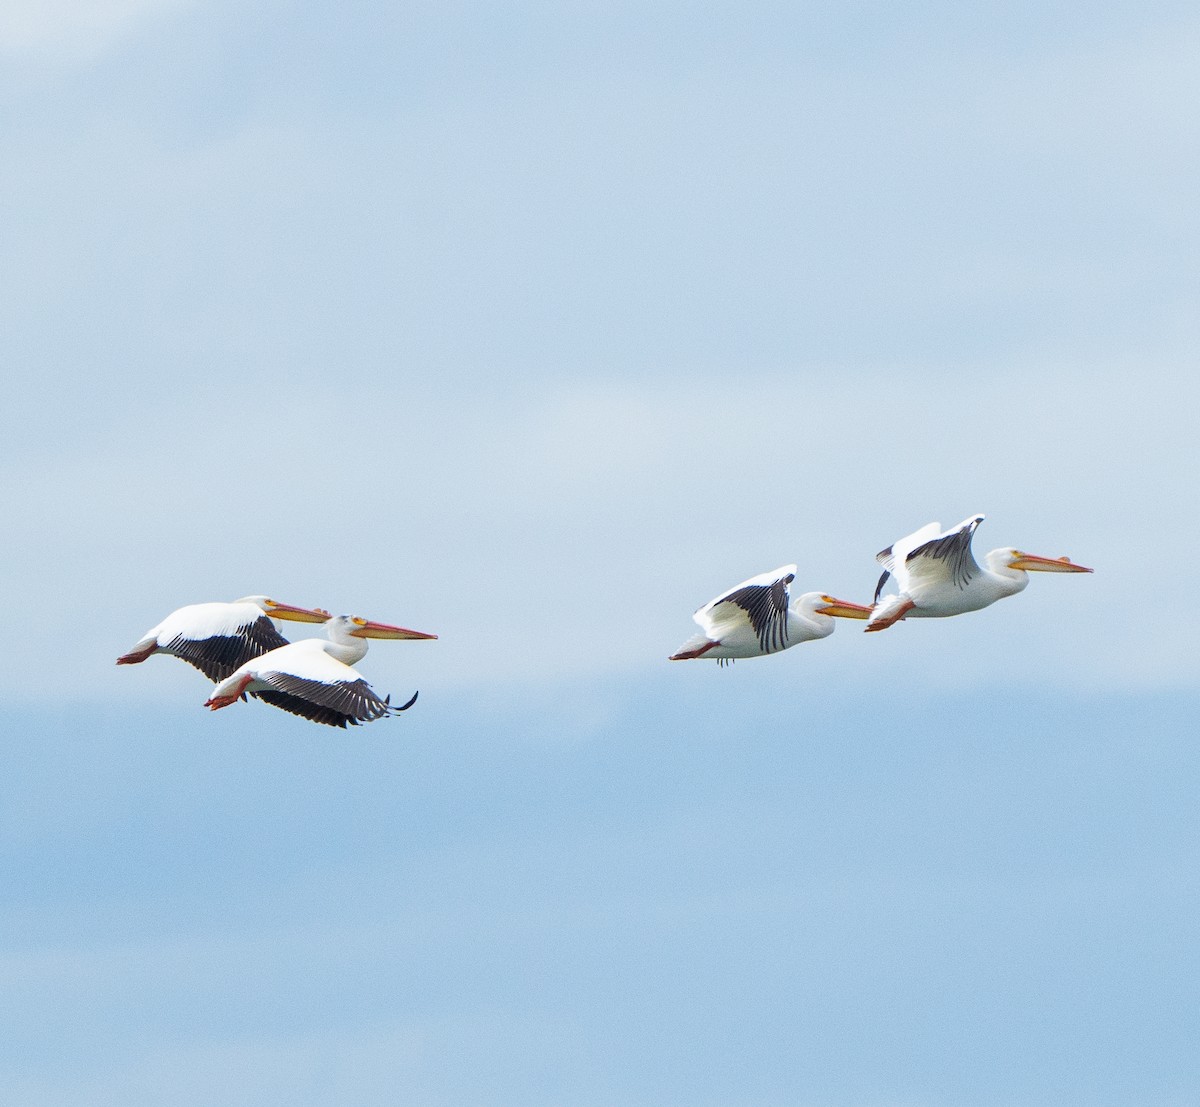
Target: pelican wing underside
x=343 y=703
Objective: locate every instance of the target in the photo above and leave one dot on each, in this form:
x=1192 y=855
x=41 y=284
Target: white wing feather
x=306 y=659
x=895 y=558
x=198 y=621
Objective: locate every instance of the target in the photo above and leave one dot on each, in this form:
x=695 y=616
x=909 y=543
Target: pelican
x=218 y=637
x=315 y=678
x=755 y=619
x=937 y=574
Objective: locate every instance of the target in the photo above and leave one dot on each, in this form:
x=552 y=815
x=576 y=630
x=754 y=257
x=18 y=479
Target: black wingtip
x=409 y=704
x=879 y=586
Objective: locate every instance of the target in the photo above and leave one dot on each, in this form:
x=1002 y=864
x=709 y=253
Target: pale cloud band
x=75 y=31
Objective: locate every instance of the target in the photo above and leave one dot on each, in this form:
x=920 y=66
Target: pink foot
x=687 y=655
x=889 y=620
x=215 y=703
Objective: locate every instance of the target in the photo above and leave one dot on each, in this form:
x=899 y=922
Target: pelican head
x=1019 y=561
x=344 y=627
x=818 y=610
x=841 y=609
x=1031 y=563
x=277 y=610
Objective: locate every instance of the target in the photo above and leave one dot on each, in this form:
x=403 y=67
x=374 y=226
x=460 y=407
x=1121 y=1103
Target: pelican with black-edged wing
x=937 y=575
x=315 y=677
x=217 y=638
x=758 y=617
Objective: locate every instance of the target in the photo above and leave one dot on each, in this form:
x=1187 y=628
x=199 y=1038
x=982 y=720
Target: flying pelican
x=218 y=637
x=755 y=619
x=314 y=678
x=937 y=575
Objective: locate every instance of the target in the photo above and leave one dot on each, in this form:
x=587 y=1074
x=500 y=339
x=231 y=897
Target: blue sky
x=536 y=326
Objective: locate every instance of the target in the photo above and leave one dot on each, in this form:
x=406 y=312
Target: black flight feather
x=955 y=550
x=219 y=656
x=346 y=703
x=767 y=607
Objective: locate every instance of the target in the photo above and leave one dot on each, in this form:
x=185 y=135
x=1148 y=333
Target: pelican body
x=937 y=575
x=757 y=617
x=316 y=678
x=219 y=637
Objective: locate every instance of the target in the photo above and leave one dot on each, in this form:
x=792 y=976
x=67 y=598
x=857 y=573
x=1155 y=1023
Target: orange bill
x=296 y=614
x=844 y=609
x=1031 y=563
x=364 y=628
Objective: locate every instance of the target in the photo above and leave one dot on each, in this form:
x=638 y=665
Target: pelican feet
x=894 y=616
x=687 y=655
x=215 y=702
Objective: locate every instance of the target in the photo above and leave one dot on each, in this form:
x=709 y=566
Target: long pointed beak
x=368 y=629
x=844 y=609
x=1033 y=564
x=297 y=614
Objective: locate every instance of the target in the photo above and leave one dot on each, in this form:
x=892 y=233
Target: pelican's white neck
x=1007 y=580
x=812 y=623
x=343 y=645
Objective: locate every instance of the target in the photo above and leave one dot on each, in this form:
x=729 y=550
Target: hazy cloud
x=75 y=31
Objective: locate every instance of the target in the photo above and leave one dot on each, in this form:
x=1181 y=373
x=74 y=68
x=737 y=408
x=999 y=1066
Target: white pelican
x=755 y=619
x=218 y=637
x=314 y=677
x=937 y=575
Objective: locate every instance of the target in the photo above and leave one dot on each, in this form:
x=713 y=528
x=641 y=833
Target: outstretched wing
x=895 y=554
x=356 y=697
x=892 y=559
x=761 y=601
x=318 y=687
x=945 y=559
x=219 y=643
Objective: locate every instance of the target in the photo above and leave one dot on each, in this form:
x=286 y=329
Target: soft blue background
x=536 y=325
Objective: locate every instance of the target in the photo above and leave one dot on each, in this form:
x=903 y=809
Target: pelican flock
x=935 y=573
x=238 y=646
x=316 y=678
